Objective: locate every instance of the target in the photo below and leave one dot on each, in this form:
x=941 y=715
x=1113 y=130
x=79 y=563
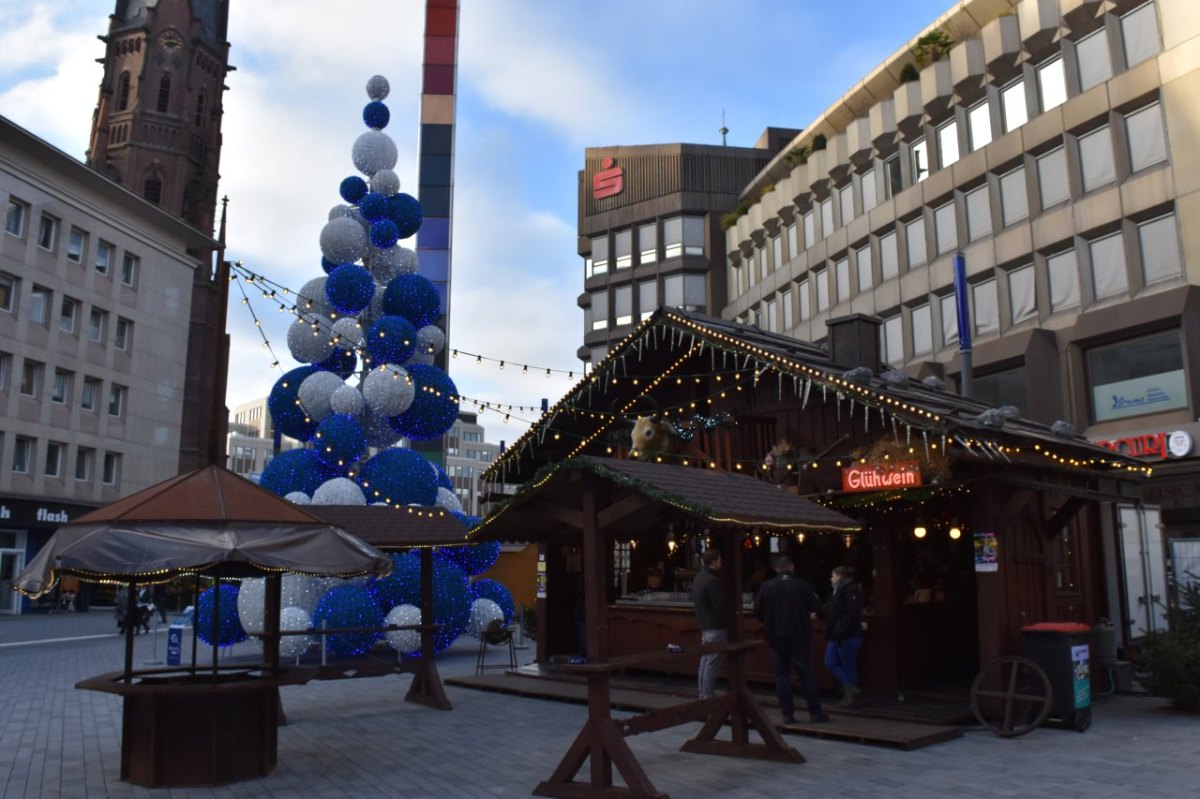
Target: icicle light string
x=257 y=323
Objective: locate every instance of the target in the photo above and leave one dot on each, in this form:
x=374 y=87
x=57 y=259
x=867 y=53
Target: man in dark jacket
x=785 y=603
x=844 y=633
x=712 y=617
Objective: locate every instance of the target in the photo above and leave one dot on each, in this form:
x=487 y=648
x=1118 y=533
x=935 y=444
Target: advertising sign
x=1150 y=394
x=986 y=550
x=880 y=477
x=174 y=644
x=541 y=577
x=1082 y=676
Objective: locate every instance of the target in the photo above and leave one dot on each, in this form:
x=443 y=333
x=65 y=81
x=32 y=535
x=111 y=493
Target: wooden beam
x=571 y=517
x=617 y=512
x=1064 y=514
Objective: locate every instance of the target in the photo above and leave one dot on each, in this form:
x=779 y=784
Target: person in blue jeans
x=786 y=603
x=844 y=632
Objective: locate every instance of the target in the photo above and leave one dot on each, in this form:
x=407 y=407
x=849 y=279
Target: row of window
x=62 y=386
x=163 y=104
x=18 y=216
x=682 y=290
x=681 y=235
x=40 y=307
x=53 y=462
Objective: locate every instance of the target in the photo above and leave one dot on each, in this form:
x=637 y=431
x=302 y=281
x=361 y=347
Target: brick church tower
x=157 y=125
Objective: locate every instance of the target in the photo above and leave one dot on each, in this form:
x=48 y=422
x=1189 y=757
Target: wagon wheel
x=1011 y=696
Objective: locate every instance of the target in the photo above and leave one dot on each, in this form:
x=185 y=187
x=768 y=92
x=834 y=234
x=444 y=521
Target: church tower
x=157 y=125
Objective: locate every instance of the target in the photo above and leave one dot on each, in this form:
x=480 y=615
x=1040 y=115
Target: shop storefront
x=25 y=525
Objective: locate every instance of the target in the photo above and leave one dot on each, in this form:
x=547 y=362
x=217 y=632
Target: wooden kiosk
x=595 y=499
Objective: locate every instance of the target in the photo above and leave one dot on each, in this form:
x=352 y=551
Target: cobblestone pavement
x=353 y=738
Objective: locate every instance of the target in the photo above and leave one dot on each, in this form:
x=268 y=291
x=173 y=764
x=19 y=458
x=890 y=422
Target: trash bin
x=1061 y=650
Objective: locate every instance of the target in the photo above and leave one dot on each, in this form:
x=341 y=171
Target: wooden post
x=274 y=590
x=426 y=687
x=130 y=626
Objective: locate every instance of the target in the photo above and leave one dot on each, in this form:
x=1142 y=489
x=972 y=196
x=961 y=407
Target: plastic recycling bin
x=1061 y=650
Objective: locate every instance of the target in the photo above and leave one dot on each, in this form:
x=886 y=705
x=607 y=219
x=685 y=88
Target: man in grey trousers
x=712 y=617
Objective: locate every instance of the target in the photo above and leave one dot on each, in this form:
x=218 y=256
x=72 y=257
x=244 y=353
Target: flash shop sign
x=1152 y=446
x=876 y=477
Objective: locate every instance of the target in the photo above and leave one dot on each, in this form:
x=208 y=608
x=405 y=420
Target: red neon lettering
x=610 y=180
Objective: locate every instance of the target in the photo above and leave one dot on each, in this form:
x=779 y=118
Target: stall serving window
x=1136 y=377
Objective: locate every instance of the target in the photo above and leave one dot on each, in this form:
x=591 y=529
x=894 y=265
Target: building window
x=1021 y=294
x=39 y=305
x=892 y=341
x=805 y=302
x=129 y=269
x=123 y=91
x=54 y=456
x=821 y=277
x=914 y=232
x=23 y=455
x=1139 y=30
x=623 y=248
x=1135 y=377
x=600 y=255
x=164 y=94
x=1108 y=265
x=1064 y=280
x=84 y=457
x=673 y=291
x=14 y=219
x=76 y=244
x=1096 y=158
x=810 y=229
x=986 y=308
x=752 y=266
x=922 y=330
x=623 y=305
x=124 y=334
x=683 y=235
x=1052 y=83
x=945 y=228
x=47 y=232
x=773 y=316
x=979 y=120
x=1012 y=101
x=893 y=181
x=948 y=143
x=91 y=390
x=870 y=195
x=152 y=189
x=116 y=399
x=112 y=468
x=777 y=252
x=104 y=255
x=1095 y=66
x=600 y=310
x=695 y=292
x=785 y=301
x=949 y=310
x=979 y=213
x=31 y=379
x=846 y=201
x=201 y=102
x=8 y=292
x=1147 y=143
x=1014 y=196
x=764 y=266
x=1158 y=240
x=826 y=217
x=889 y=256
x=97 y=322
x=648 y=298
x=841 y=272
x=1004 y=388
x=648 y=243
x=919 y=152
x=862 y=260
x=60 y=391
x=793 y=243
x=1052 y=177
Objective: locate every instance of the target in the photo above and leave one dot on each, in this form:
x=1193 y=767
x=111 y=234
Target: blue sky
x=539 y=80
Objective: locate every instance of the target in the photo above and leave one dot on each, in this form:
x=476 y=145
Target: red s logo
x=608 y=181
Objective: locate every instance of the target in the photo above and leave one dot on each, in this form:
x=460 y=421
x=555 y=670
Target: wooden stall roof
x=386 y=527
x=715 y=497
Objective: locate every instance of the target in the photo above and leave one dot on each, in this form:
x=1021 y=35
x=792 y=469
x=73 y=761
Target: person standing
x=712 y=616
x=844 y=632
x=785 y=603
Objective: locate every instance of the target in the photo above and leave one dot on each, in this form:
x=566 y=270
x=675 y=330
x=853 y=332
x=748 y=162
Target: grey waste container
x=1062 y=651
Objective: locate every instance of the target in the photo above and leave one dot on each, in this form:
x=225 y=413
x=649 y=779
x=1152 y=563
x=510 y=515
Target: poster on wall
x=541 y=577
x=986 y=552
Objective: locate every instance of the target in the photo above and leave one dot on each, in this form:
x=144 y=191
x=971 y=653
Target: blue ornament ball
x=443 y=479
x=352 y=189
x=295 y=470
x=435 y=404
x=376 y=115
x=384 y=233
x=341 y=362
x=398 y=477
x=392 y=339
x=451 y=594
x=373 y=206
x=327 y=265
x=498 y=593
x=414 y=298
x=405 y=211
x=475 y=558
x=349 y=606
x=290 y=419
x=229 y=624
x=349 y=289
x=339 y=441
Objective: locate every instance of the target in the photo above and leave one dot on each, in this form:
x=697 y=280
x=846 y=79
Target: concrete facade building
x=467 y=455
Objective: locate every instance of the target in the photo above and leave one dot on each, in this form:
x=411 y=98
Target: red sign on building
x=609 y=181
x=879 y=477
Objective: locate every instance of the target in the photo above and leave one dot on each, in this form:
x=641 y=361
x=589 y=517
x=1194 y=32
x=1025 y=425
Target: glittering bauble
x=384 y=233
x=348 y=400
x=385 y=182
x=448 y=499
x=298 y=498
x=302 y=591
x=339 y=491
x=443 y=479
x=405 y=210
x=434 y=408
x=342 y=363
x=352 y=189
x=474 y=558
x=339 y=442
x=339 y=212
x=406 y=261
x=391 y=339
x=228 y=626
x=290 y=419
x=373 y=206
x=431 y=339
x=251 y=601
x=378 y=88
x=414 y=298
x=293 y=618
x=498 y=593
x=308 y=345
x=404 y=641
x=398 y=477
x=343 y=240
x=451 y=601
x=373 y=151
x=327 y=265
x=483 y=613
x=348 y=332
x=315 y=392
x=349 y=288
x=378 y=429
x=376 y=115
x=374 y=313
x=420 y=359
x=310 y=299
x=349 y=606
x=388 y=390
x=294 y=470
x=384 y=264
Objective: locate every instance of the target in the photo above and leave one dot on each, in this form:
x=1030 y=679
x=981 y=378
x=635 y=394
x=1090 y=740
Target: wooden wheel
x=1011 y=696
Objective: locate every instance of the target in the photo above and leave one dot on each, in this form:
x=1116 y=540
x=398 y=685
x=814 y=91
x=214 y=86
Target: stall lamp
x=955 y=532
x=919 y=531
x=799 y=538
x=671 y=543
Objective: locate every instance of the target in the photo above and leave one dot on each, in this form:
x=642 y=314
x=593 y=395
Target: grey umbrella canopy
x=210 y=521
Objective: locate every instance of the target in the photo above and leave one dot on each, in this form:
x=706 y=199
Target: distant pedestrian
x=122 y=608
x=712 y=617
x=785 y=603
x=844 y=632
